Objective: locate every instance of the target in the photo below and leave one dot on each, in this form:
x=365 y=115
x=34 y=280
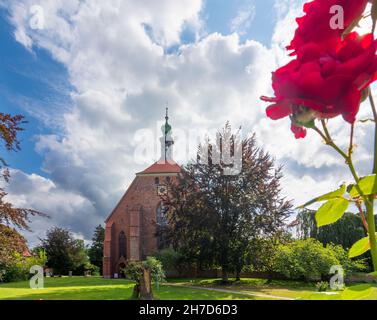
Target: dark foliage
x=213 y=217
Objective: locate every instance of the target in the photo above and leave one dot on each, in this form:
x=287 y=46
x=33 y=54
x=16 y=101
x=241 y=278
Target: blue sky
x=94 y=80
x=29 y=83
x=220 y=13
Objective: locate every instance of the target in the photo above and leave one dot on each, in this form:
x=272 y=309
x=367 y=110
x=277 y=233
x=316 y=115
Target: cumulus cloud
x=122 y=71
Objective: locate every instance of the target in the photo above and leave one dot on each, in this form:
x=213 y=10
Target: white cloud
x=116 y=55
x=242 y=21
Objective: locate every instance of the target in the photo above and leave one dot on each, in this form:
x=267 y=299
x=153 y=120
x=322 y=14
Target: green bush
x=87 y=267
x=134 y=269
x=18 y=268
x=309 y=260
x=322 y=286
x=171 y=260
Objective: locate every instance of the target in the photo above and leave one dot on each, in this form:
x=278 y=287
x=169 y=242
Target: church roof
x=162 y=167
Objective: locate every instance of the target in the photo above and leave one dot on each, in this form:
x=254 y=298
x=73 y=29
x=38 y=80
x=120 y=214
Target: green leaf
x=359 y=247
x=328 y=196
x=331 y=211
x=368 y=185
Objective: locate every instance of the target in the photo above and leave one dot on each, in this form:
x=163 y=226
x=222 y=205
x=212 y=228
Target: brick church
x=130 y=233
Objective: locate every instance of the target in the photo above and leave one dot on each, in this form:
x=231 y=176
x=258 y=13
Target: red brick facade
x=135 y=218
x=130 y=233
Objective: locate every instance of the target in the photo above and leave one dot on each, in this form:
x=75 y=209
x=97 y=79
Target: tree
x=214 y=216
x=95 y=251
x=263 y=252
x=346 y=231
x=64 y=253
x=10 y=126
x=12 y=244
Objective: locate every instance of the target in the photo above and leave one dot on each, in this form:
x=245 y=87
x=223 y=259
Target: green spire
x=167 y=125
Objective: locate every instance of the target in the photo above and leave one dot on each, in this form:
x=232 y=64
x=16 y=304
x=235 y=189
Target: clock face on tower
x=162 y=190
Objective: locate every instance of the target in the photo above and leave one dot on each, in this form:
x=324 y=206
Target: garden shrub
x=18 y=268
x=171 y=260
x=322 y=286
x=309 y=260
x=87 y=267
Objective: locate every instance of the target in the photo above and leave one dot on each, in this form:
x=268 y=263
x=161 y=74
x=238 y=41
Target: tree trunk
x=146 y=286
x=238 y=277
x=136 y=291
x=225 y=276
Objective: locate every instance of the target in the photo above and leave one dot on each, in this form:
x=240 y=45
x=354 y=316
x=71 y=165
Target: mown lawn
x=289 y=289
x=96 y=288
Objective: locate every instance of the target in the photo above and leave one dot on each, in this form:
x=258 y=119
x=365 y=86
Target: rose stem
x=367 y=200
x=370 y=207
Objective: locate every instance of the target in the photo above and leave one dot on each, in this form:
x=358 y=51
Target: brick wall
x=135 y=215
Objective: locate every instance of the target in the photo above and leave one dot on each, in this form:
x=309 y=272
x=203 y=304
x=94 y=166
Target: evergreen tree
x=95 y=251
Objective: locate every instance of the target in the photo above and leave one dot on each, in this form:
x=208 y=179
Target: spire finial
x=167 y=113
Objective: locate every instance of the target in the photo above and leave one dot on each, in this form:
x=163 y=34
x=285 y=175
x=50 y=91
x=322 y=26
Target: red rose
x=315 y=25
x=324 y=84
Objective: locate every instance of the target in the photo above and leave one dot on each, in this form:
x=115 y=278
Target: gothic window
x=161 y=218
x=122 y=245
x=162 y=223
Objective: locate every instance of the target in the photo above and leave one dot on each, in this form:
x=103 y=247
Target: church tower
x=130 y=233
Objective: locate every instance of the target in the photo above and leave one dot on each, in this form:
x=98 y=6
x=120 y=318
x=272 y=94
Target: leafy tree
x=10 y=126
x=10 y=242
x=63 y=251
x=346 y=231
x=262 y=252
x=95 y=251
x=214 y=216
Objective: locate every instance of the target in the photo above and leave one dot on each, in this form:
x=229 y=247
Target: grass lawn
x=288 y=289
x=96 y=288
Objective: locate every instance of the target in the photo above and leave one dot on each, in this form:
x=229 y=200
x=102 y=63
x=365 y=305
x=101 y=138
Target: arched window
x=161 y=218
x=122 y=245
x=162 y=223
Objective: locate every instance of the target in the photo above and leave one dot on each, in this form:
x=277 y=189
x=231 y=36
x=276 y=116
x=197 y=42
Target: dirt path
x=261 y=295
